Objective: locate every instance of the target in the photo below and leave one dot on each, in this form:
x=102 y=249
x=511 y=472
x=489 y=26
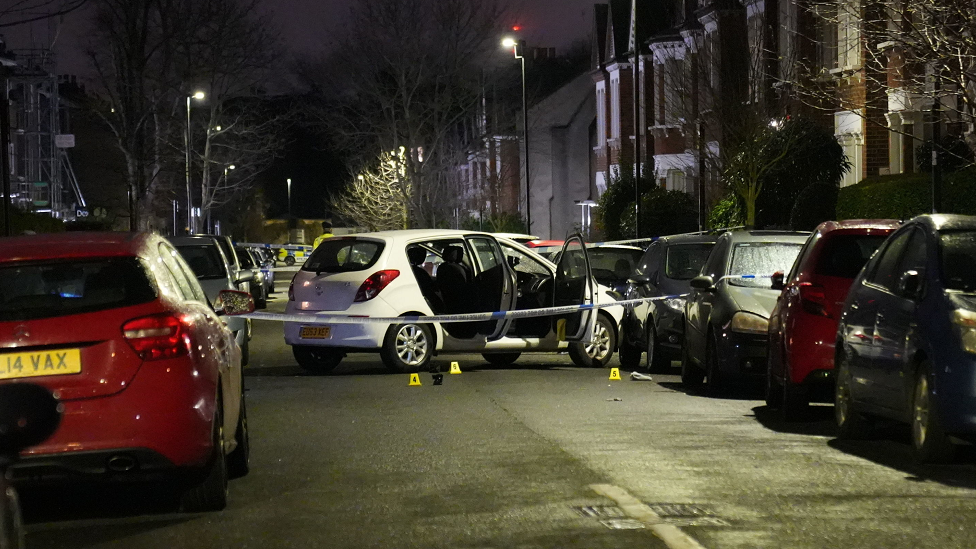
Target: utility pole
x=5 y=152
x=637 y=141
x=936 y=138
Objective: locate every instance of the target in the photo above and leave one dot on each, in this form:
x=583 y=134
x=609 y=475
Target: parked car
x=657 y=327
x=149 y=377
x=256 y=284
x=726 y=316
x=265 y=259
x=381 y=274
x=906 y=340
x=290 y=254
x=613 y=264
x=209 y=263
x=517 y=237
x=803 y=324
x=545 y=248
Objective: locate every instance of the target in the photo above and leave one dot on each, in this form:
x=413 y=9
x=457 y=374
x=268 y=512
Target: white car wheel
x=407 y=347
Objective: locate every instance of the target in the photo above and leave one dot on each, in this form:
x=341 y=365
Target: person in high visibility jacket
x=326 y=233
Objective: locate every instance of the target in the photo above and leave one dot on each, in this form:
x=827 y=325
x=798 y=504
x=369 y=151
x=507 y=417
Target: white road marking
x=670 y=534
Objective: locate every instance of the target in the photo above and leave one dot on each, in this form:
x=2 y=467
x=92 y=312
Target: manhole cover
x=680 y=510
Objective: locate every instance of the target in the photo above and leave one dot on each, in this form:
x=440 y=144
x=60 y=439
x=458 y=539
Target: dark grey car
x=657 y=327
x=726 y=315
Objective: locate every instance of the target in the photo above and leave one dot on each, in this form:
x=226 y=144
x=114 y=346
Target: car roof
x=767 y=236
x=72 y=244
x=689 y=239
x=192 y=239
x=613 y=247
x=947 y=222
x=854 y=224
x=406 y=235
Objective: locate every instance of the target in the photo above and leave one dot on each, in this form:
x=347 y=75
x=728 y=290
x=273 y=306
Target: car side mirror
x=513 y=261
x=910 y=284
x=245 y=276
x=639 y=280
x=232 y=303
x=778 y=282
x=703 y=283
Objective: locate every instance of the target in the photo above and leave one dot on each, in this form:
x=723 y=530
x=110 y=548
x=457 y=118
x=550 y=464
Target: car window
x=958 y=249
x=613 y=265
x=886 y=272
x=485 y=250
x=844 y=255
x=808 y=247
x=651 y=262
x=715 y=264
x=684 y=261
x=526 y=263
x=184 y=278
x=245 y=258
x=43 y=290
x=204 y=259
x=761 y=259
x=228 y=251
x=344 y=255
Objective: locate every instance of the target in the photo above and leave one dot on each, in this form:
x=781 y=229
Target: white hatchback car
x=429 y=272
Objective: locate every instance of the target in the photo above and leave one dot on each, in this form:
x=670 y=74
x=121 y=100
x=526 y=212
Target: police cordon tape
x=333 y=318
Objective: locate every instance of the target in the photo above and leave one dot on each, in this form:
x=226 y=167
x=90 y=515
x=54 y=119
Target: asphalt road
x=539 y=454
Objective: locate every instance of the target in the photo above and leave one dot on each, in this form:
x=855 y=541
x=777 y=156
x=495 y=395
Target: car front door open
x=574 y=286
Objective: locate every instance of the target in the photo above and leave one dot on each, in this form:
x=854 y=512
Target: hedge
x=904 y=196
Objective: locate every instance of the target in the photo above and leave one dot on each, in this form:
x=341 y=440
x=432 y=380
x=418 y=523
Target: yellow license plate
x=316 y=332
x=40 y=363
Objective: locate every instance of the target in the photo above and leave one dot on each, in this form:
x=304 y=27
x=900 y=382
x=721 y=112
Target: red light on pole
x=516 y=28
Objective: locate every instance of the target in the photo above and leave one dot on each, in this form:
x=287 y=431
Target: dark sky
x=308 y=26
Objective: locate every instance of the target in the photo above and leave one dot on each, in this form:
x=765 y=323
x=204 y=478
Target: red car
x=803 y=324
x=149 y=377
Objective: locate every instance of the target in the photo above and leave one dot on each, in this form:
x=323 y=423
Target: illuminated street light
x=189 y=192
x=289 y=198
x=518 y=49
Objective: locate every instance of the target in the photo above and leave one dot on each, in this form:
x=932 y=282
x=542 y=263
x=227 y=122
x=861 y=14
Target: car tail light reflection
x=157 y=337
x=813 y=298
x=373 y=285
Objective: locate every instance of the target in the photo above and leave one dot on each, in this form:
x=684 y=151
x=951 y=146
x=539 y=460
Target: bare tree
x=407 y=74
x=19 y=12
x=378 y=197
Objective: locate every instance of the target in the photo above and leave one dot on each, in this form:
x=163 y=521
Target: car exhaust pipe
x=121 y=463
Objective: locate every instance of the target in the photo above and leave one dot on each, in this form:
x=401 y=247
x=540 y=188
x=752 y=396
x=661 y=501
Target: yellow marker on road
x=414 y=380
x=615 y=374
x=561 y=329
x=455 y=368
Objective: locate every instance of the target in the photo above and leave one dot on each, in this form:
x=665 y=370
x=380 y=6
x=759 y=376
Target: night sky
x=308 y=26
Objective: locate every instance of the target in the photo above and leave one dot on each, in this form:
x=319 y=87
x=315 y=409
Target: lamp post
x=518 y=49
x=189 y=192
x=289 y=198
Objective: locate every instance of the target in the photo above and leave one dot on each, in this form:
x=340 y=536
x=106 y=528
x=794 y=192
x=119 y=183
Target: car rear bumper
x=162 y=419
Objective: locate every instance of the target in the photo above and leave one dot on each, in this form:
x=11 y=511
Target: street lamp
x=518 y=49
x=289 y=198
x=189 y=194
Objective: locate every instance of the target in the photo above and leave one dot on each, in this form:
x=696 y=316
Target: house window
x=848 y=34
x=614 y=109
x=827 y=27
x=675 y=181
x=601 y=116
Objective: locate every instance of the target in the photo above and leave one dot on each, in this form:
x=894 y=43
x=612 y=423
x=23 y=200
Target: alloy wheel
x=842 y=396
x=411 y=345
x=599 y=348
x=920 y=412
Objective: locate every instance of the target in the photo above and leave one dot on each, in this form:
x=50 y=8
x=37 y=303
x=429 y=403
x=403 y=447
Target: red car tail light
x=373 y=285
x=157 y=337
x=813 y=298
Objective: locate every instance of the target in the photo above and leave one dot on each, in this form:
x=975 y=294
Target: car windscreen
x=959 y=260
x=761 y=259
x=43 y=290
x=684 y=261
x=344 y=255
x=204 y=259
x=613 y=265
x=844 y=255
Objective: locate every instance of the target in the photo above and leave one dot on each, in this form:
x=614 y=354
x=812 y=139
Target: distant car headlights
x=965 y=322
x=676 y=303
x=748 y=323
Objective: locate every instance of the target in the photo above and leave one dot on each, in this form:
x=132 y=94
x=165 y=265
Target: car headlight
x=749 y=323
x=965 y=322
x=676 y=303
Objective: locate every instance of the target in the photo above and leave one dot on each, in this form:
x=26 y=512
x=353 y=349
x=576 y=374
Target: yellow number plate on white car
x=315 y=332
x=40 y=363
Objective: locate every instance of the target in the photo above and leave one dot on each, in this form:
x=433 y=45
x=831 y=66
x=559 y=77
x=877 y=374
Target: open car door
x=574 y=286
x=495 y=282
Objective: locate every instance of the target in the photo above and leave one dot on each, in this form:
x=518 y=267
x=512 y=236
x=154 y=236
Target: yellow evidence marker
x=561 y=329
x=414 y=380
x=615 y=374
x=455 y=368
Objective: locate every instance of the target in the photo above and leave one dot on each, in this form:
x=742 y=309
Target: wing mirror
x=245 y=276
x=29 y=414
x=639 y=280
x=513 y=261
x=703 y=283
x=910 y=284
x=232 y=303
x=778 y=282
